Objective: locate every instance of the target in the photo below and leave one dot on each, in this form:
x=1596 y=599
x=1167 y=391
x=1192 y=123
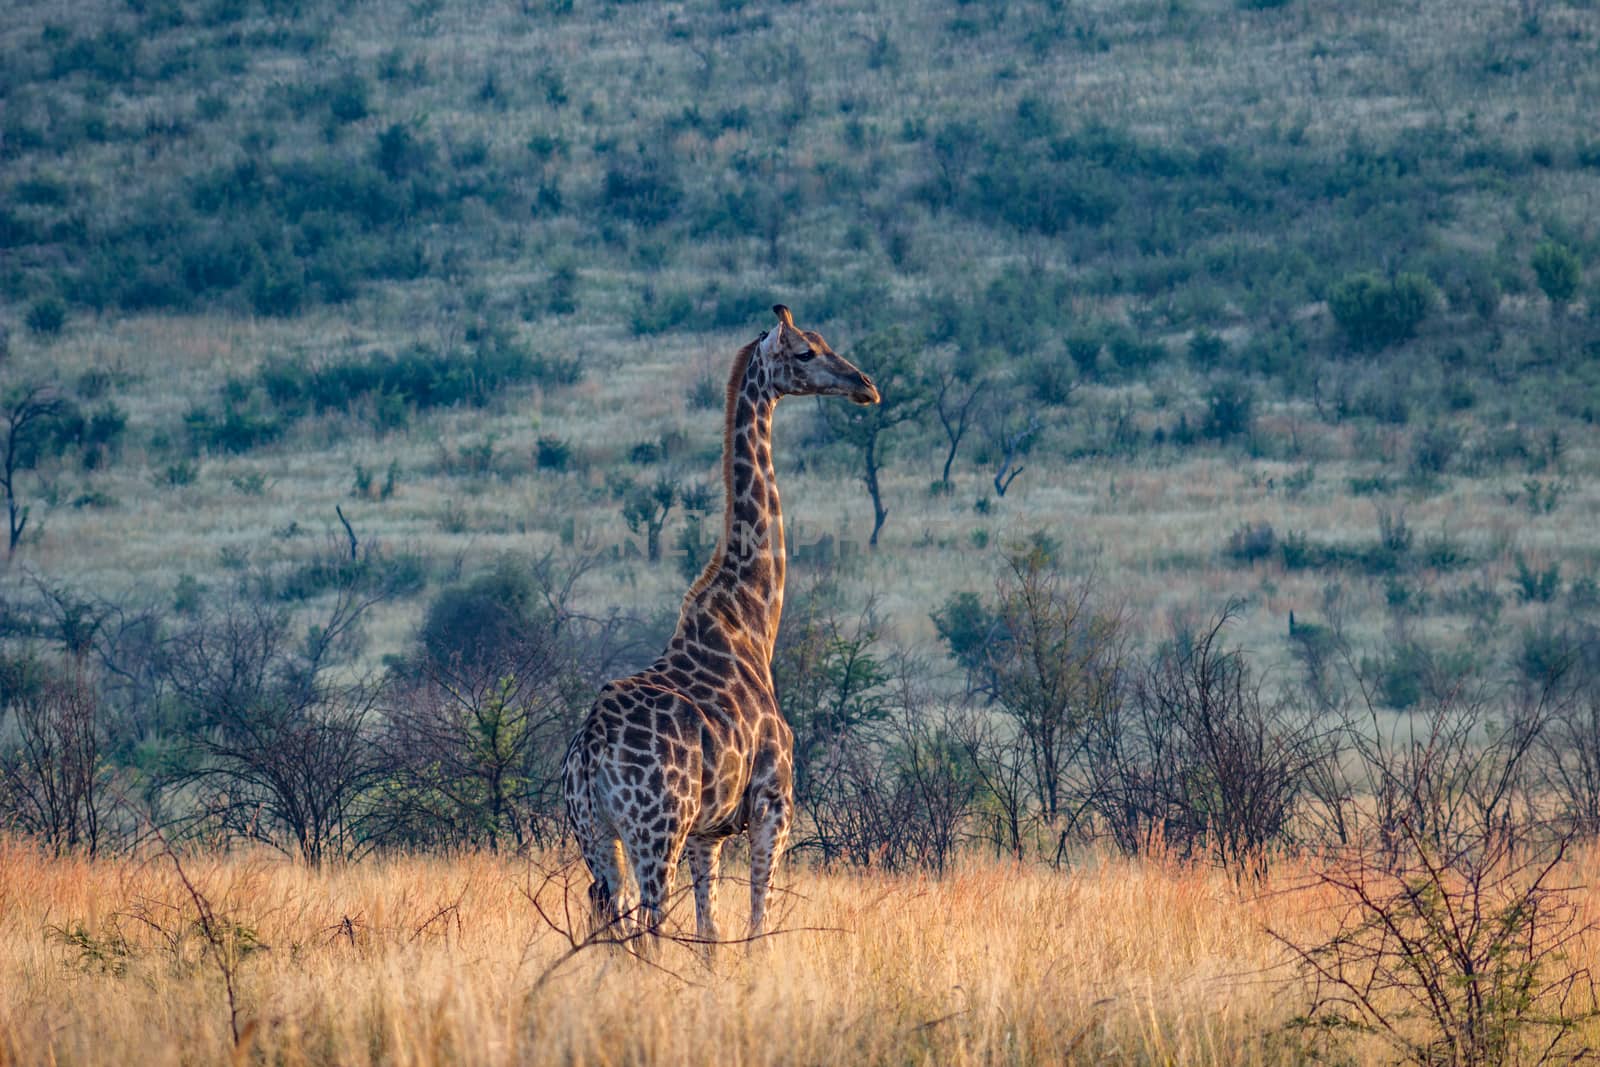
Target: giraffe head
x=800 y=363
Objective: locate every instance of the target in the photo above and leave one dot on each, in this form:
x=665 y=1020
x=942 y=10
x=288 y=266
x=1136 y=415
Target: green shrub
x=1084 y=351
x=643 y=190
x=1049 y=379
x=277 y=286
x=46 y=316
x=659 y=314
x=1558 y=271
x=1251 y=543
x=479 y=622
x=1434 y=450
x=112 y=55
x=349 y=98
x=1537 y=585
x=234 y=430
x=1230 y=410
x=1402 y=675
x=400 y=153
x=552 y=454
x=1374 y=314
x=419 y=378
x=1206 y=349
x=969 y=629
x=1132 y=355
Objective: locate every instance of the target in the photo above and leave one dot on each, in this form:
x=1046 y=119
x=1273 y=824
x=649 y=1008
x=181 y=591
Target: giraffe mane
x=741 y=363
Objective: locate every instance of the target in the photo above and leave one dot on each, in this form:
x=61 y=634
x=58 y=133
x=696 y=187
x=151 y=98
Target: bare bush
x=276 y=742
x=55 y=783
x=901 y=792
x=1201 y=759
x=1450 y=771
x=1451 y=962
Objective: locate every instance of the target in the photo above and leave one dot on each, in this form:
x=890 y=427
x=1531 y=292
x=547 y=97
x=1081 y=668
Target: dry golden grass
x=421 y=960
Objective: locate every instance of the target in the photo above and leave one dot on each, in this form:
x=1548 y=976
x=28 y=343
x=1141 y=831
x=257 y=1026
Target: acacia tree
x=904 y=397
x=26 y=414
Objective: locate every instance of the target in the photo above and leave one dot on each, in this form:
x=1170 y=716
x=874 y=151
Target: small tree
x=829 y=676
x=473 y=750
x=1558 y=271
x=645 y=509
x=1011 y=436
x=1059 y=670
x=905 y=397
x=1226 y=767
x=26 y=413
x=1452 y=964
x=1230 y=410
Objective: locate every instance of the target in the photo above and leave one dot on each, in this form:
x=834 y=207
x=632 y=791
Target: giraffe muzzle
x=866 y=392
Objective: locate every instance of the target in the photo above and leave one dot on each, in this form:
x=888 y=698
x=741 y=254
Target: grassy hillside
x=275 y=251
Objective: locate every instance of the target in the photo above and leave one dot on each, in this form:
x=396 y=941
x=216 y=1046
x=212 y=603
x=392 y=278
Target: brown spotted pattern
x=694 y=749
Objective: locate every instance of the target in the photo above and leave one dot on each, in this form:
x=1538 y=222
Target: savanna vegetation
x=1207 y=615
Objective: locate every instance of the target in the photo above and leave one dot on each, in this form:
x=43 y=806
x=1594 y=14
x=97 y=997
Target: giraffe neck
x=743 y=583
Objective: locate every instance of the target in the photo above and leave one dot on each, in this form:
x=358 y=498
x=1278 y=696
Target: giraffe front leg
x=769 y=832
x=705 y=857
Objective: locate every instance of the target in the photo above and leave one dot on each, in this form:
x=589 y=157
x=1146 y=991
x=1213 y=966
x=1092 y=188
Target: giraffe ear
x=771 y=339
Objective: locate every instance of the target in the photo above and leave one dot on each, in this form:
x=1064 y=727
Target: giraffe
x=694 y=749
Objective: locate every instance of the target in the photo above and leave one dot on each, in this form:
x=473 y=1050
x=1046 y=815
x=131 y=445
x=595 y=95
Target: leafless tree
x=1449 y=770
x=999 y=763
x=1011 y=437
x=895 y=792
x=1212 y=763
x=956 y=402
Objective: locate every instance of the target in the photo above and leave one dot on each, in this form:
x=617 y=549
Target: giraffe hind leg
x=608 y=893
x=769 y=832
x=653 y=854
x=602 y=852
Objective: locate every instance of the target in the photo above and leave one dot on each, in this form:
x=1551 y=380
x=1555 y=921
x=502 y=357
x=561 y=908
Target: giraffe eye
x=804 y=355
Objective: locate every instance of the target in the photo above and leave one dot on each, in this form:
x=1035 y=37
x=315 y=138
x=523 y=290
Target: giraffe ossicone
x=694 y=749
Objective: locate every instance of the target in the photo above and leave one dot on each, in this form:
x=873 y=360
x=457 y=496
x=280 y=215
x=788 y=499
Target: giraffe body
x=694 y=749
